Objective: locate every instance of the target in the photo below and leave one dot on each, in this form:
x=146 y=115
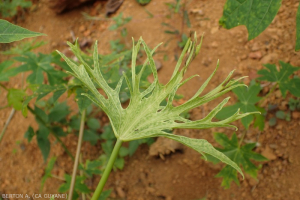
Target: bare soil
x=182 y=175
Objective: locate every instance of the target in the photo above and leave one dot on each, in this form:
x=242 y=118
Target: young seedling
x=144 y=117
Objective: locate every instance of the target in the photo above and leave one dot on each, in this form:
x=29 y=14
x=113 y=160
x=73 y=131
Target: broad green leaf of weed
x=82 y=101
x=92 y=167
x=29 y=134
x=91 y=136
x=41 y=116
x=10 y=32
x=79 y=186
x=24 y=47
x=145 y=117
x=240 y=155
x=119 y=21
x=9 y=8
x=15 y=98
x=294 y=104
x=6 y=73
x=107 y=146
x=105 y=194
x=38 y=64
x=59 y=112
x=47 y=173
x=280 y=77
x=133 y=145
x=294 y=87
x=256 y=15
x=119 y=163
x=75 y=123
x=247 y=99
x=297 y=48
x=58 y=131
x=260 y=119
x=43 y=141
x=40 y=92
x=93 y=123
x=123 y=152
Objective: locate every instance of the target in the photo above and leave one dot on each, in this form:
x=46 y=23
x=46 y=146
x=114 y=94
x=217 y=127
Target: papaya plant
x=145 y=117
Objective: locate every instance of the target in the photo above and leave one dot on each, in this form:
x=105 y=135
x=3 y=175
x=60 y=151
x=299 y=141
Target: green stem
x=77 y=155
x=107 y=170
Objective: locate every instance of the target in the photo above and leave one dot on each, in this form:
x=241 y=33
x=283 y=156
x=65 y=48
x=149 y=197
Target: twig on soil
x=6 y=123
x=77 y=155
x=57 y=177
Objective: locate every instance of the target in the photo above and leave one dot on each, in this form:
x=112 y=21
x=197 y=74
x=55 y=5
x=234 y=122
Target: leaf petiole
x=107 y=170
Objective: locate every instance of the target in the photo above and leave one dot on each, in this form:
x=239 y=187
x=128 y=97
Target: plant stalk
x=107 y=170
x=6 y=123
x=77 y=155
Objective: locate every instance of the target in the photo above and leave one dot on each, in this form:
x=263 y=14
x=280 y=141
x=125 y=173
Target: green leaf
x=24 y=47
x=133 y=145
x=123 y=152
x=294 y=87
x=48 y=170
x=75 y=123
x=82 y=101
x=93 y=167
x=58 y=131
x=93 y=123
x=9 y=8
x=256 y=15
x=105 y=194
x=108 y=133
x=272 y=121
x=91 y=136
x=38 y=64
x=119 y=163
x=280 y=77
x=40 y=115
x=79 y=186
x=15 y=98
x=6 y=73
x=10 y=32
x=280 y=114
x=145 y=116
x=260 y=119
x=247 y=99
x=59 y=112
x=241 y=155
x=202 y=146
x=297 y=47
x=107 y=146
x=29 y=134
x=43 y=141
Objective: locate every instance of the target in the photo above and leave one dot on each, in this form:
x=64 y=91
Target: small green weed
x=9 y=8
